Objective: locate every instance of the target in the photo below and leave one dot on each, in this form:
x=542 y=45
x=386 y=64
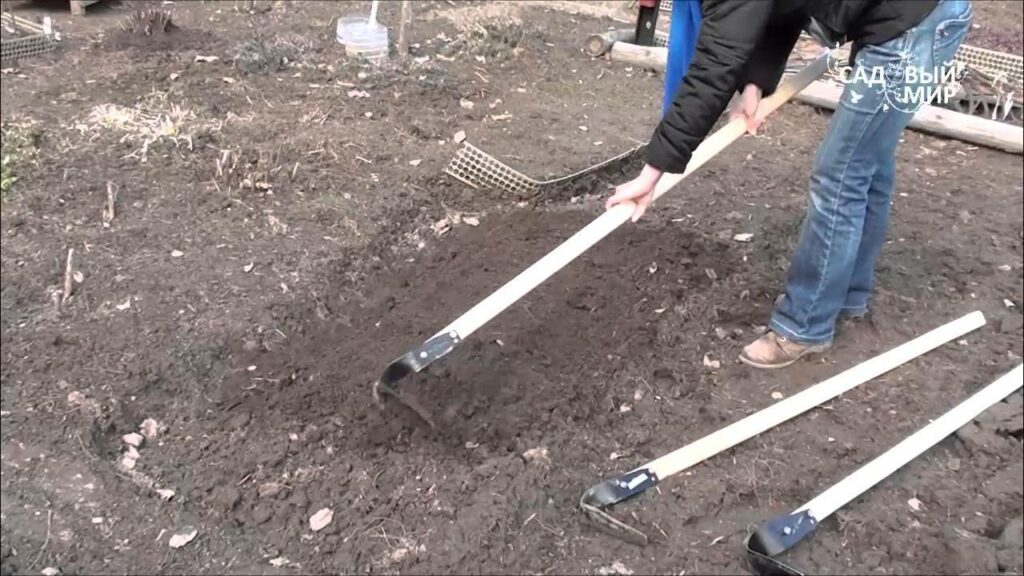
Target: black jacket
x=748 y=42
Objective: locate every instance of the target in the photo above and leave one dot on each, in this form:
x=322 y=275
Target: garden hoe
x=780 y=534
x=448 y=338
x=596 y=501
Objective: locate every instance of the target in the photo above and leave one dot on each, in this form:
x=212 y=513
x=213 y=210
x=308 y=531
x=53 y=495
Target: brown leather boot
x=773 y=351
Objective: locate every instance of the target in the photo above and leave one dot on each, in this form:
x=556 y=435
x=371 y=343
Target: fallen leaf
x=459 y=137
x=776 y=395
x=321 y=519
x=711 y=364
x=745 y=237
x=149 y=428
x=442 y=226
x=228 y=80
x=467 y=104
x=79 y=277
x=1004 y=267
x=165 y=493
x=470 y=445
x=914 y=504
x=177 y=253
x=614 y=456
x=125 y=305
x=49 y=571
x=133 y=439
x=1008 y=303
x=182 y=536
x=625 y=408
x=358 y=94
x=416 y=162
x=248 y=267
x=471 y=220
x=717 y=540
x=368 y=114
x=173 y=76
x=652 y=268
x=201 y=58
x=583 y=128
x=279 y=562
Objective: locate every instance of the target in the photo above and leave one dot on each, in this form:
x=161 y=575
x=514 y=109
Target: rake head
x=596 y=501
x=775 y=537
x=411 y=362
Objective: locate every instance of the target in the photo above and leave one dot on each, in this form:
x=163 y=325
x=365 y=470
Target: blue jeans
x=833 y=267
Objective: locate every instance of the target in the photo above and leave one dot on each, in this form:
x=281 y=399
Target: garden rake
x=450 y=336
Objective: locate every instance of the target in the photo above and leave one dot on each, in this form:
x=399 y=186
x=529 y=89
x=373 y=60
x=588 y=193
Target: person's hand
x=746 y=107
x=639 y=190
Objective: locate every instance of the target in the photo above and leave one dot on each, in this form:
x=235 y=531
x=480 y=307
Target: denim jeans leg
x=932 y=44
x=876 y=223
x=851 y=184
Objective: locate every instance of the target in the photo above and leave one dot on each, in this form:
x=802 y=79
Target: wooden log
x=600 y=44
x=930 y=119
x=650 y=57
x=405 y=22
x=934 y=120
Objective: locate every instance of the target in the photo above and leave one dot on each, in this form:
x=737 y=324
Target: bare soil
x=273 y=249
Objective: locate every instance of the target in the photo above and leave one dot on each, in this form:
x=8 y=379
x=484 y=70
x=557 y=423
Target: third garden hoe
x=450 y=336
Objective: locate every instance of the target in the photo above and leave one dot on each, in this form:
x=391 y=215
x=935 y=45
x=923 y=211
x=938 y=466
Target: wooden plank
x=934 y=120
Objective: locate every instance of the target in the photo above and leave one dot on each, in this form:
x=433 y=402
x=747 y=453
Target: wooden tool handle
x=594 y=232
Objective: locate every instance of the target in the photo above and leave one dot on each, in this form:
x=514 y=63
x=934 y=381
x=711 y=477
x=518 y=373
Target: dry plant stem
x=68 y=276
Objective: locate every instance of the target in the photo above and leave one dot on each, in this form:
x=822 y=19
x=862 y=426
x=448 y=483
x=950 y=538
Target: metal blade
x=599 y=497
x=411 y=362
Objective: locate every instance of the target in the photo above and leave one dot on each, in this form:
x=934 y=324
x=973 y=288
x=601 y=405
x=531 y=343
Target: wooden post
x=650 y=57
x=405 y=21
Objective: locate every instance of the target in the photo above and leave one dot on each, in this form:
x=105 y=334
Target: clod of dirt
x=226 y=497
x=182 y=536
x=133 y=439
x=538 y=455
x=87 y=406
x=274 y=54
x=261 y=514
x=617 y=568
x=149 y=428
x=1011 y=323
x=970 y=554
x=321 y=519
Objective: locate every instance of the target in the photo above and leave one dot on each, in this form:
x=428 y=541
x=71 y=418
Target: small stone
x=165 y=493
x=459 y=137
x=711 y=364
x=133 y=439
x=321 y=519
x=538 y=455
x=776 y=395
x=416 y=162
x=914 y=504
x=1011 y=323
x=50 y=571
x=745 y=237
x=471 y=221
x=149 y=428
x=177 y=253
x=721 y=333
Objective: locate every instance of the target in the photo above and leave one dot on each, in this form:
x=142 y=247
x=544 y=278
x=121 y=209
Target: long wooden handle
x=611 y=219
x=781 y=411
x=882 y=467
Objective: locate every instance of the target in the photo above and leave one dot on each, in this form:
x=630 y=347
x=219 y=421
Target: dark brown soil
x=267 y=294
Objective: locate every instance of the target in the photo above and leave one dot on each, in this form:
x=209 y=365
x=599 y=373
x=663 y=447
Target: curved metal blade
x=413 y=361
x=596 y=500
